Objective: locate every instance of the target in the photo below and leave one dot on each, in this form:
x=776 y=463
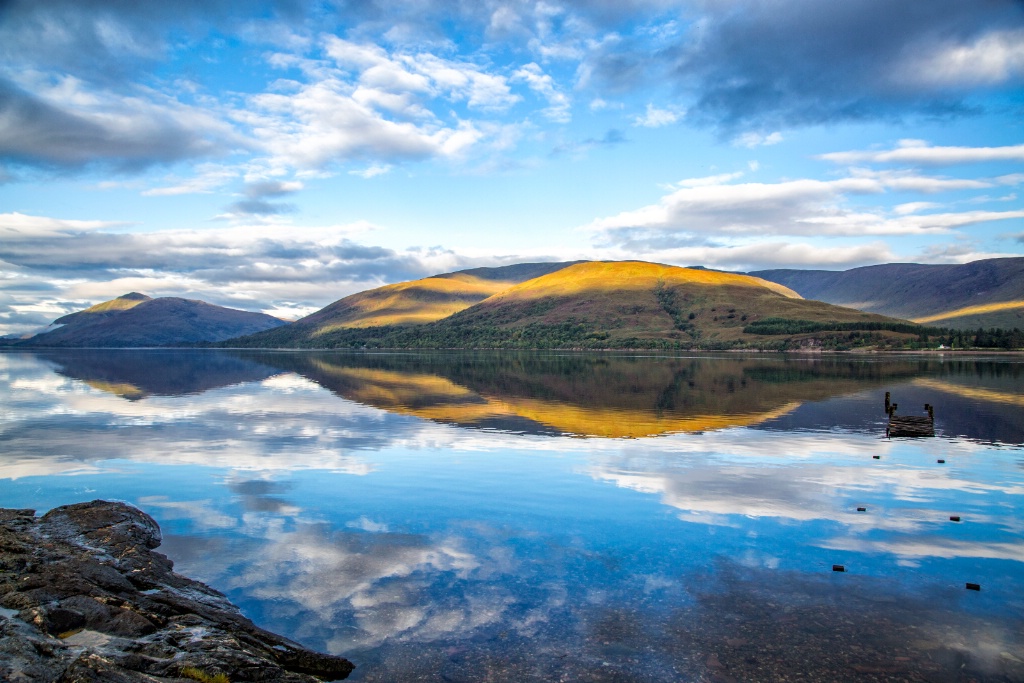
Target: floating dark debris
x=941 y=461
x=974 y=586
x=954 y=518
x=841 y=568
x=861 y=509
x=877 y=457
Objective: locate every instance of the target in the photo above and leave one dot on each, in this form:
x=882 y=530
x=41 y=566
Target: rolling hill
x=595 y=304
x=138 y=320
x=415 y=302
x=987 y=293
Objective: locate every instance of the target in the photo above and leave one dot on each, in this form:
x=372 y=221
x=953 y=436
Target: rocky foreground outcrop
x=84 y=597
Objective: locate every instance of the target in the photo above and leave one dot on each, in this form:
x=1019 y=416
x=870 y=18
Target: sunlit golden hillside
x=590 y=304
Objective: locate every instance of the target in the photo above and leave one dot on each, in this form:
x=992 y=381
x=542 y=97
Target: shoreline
x=797 y=351
x=84 y=596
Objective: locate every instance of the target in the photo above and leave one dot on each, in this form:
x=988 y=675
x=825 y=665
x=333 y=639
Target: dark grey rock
x=85 y=597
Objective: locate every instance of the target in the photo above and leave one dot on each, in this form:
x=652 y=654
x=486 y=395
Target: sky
x=277 y=155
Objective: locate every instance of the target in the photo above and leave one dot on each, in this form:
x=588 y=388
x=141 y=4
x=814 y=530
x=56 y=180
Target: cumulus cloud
x=258 y=207
x=271 y=188
x=251 y=266
x=208 y=177
x=752 y=65
x=110 y=41
x=65 y=124
x=365 y=103
x=717 y=208
x=656 y=118
x=558 y=102
x=993 y=58
x=257 y=193
x=403 y=84
x=751 y=139
x=372 y=171
x=760 y=255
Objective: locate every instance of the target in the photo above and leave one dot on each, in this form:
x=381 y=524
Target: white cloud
x=61 y=121
x=323 y=123
x=913 y=207
x=209 y=177
x=273 y=267
x=919 y=152
x=656 y=118
x=791 y=207
x=372 y=171
x=713 y=206
x=765 y=255
x=367 y=103
x=909 y=181
x=710 y=180
x=751 y=140
x=463 y=81
x=558 y=103
x=16 y=224
x=991 y=59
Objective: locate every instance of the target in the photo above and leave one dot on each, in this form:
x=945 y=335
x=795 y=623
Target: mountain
x=138 y=320
x=408 y=303
x=599 y=304
x=987 y=293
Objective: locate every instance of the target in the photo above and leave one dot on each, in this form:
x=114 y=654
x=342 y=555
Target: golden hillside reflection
x=436 y=398
x=590 y=396
x=1014 y=398
x=122 y=389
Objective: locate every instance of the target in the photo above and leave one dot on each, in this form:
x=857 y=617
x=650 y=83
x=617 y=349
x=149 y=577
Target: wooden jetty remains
x=909 y=425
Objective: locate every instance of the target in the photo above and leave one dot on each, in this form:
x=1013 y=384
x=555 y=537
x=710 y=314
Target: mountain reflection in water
x=596 y=395
x=438 y=517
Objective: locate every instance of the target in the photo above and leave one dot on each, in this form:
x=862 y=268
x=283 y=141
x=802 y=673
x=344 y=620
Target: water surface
x=472 y=516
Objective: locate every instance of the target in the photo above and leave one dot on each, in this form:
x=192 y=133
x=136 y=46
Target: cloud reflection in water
x=464 y=548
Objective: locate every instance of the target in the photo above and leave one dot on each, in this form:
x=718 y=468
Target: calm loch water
x=536 y=517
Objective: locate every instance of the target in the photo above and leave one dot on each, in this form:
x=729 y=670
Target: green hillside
x=416 y=302
x=630 y=304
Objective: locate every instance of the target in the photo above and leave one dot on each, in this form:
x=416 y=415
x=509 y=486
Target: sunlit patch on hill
x=407 y=303
x=416 y=302
x=614 y=276
x=983 y=309
x=121 y=303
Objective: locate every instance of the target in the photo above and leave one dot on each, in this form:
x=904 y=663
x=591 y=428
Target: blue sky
x=277 y=156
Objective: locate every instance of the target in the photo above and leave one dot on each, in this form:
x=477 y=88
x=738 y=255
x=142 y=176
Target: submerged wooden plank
x=911 y=426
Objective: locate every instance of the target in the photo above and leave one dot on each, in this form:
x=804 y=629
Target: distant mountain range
x=988 y=293
x=589 y=304
x=135 y=320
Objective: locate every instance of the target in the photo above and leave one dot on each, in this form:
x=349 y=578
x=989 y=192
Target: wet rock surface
x=84 y=597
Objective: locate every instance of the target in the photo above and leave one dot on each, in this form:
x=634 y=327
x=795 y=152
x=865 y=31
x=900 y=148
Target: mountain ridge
x=949 y=295
x=593 y=304
x=136 y=320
